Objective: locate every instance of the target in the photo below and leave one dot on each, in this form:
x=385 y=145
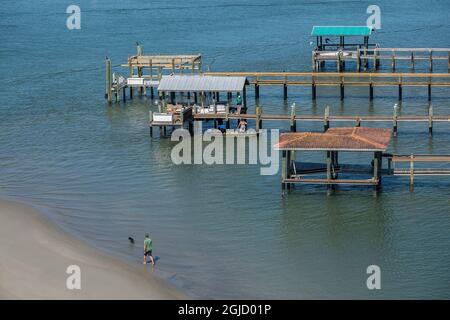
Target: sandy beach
x=35 y=255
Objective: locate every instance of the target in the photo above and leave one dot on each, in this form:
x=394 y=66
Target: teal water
x=219 y=231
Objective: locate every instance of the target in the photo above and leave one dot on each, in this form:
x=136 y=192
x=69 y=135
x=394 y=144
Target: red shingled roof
x=337 y=139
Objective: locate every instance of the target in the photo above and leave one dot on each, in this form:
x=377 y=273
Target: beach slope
x=35 y=255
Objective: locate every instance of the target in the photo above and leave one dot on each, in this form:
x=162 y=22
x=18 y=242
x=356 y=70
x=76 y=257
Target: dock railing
x=413 y=171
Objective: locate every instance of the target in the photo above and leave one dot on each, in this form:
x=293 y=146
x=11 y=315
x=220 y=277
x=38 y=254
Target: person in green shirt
x=239 y=100
x=148 y=247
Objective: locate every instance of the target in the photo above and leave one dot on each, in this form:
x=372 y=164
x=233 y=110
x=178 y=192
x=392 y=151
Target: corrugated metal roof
x=319 y=31
x=197 y=83
x=337 y=139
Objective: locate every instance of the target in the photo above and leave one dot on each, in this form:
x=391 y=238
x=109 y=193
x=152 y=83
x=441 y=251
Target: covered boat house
x=184 y=95
x=332 y=44
x=332 y=142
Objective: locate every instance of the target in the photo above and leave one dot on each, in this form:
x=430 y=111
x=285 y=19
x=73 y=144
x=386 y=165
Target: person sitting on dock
x=148 y=246
x=242 y=126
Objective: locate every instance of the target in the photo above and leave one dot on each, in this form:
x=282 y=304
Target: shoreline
x=36 y=254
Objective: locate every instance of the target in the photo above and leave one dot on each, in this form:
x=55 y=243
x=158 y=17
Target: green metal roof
x=341 y=31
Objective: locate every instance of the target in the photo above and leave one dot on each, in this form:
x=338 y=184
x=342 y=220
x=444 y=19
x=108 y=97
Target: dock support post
x=342 y=91
x=293 y=122
x=413 y=62
x=256 y=91
x=227 y=112
x=285 y=91
x=375 y=59
x=150 y=120
x=139 y=69
x=283 y=170
x=314 y=90
x=108 y=89
x=191 y=126
x=244 y=100
x=393 y=60
x=124 y=94
x=449 y=62
x=431 y=61
x=358 y=59
x=366 y=59
x=339 y=63
x=411 y=173
x=314 y=63
x=326 y=119
x=377 y=167
x=371 y=91
x=329 y=177
x=394 y=119
x=429 y=91
x=400 y=92
x=258 y=119
x=430 y=120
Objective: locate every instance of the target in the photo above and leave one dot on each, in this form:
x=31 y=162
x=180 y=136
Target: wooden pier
x=363 y=58
x=342 y=80
x=413 y=171
x=327 y=118
x=145 y=72
x=332 y=142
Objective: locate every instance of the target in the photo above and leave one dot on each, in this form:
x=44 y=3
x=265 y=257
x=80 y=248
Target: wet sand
x=35 y=255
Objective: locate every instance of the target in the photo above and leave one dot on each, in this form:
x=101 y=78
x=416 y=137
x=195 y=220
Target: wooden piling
x=329 y=163
x=313 y=89
x=339 y=62
x=108 y=76
x=256 y=90
x=393 y=60
x=258 y=118
x=285 y=92
x=293 y=122
x=283 y=169
x=411 y=173
x=326 y=119
x=431 y=61
x=371 y=91
x=449 y=62
x=430 y=120
x=150 y=120
x=342 y=89
x=314 y=62
x=358 y=59
x=395 y=120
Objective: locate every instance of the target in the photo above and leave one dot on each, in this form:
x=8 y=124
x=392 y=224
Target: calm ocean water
x=221 y=231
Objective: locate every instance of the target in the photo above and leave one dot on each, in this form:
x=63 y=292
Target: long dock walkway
x=342 y=80
x=327 y=118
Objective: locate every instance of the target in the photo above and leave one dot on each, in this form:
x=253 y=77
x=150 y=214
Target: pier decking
x=342 y=80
